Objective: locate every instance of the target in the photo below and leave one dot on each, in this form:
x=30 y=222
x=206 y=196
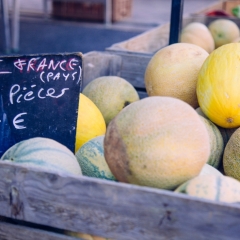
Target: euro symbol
x=16 y=120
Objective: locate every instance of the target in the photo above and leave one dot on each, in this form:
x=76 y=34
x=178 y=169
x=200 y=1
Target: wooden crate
x=40 y=205
x=91 y=11
x=143 y=46
x=149 y=42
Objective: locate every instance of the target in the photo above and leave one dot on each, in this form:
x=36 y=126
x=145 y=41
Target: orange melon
x=173 y=72
x=158 y=142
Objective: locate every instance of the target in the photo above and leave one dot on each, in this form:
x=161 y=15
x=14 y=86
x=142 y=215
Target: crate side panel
x=133 y=69
x=97 y=64
x=115 y=210
x=145 y=43
x=9 y=231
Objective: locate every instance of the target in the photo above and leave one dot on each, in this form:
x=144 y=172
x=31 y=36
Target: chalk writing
x=40 y=95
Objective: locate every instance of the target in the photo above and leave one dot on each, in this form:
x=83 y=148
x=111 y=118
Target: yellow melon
x=84 y=236
x=110 y=94
x=173 y=72
x=218 y=86
x=198 y=33
x=231 y=156
x=158 y=142
x=212 y=187
x=224 y=31
x=90 y=122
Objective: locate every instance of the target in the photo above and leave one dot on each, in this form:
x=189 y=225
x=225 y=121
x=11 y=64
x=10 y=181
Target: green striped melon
x=212 y=187
x=208 y=169
x=216 y=143
x=92 y=161
x=225 y=132
x=201 y=113
x=44 y=153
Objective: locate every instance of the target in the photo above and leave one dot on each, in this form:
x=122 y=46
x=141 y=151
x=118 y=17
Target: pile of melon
x=209 y=37
x=183 y=137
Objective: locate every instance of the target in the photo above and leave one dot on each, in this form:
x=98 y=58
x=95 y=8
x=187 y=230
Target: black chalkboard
x=39 y=97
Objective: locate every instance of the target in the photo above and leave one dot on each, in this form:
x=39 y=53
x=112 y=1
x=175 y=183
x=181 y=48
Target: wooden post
x=176 y=20
x=5 y=17
x=15 y=25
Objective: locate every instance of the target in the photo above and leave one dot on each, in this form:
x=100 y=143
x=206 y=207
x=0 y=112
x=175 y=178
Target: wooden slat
x=97 y=64
x=112 y=209
x=131 y=68
x=145 y=43
x=9 y=231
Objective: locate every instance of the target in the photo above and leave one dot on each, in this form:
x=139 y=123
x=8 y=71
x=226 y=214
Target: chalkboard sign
x=39 y=97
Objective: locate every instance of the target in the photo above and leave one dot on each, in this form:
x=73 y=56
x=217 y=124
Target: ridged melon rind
x=216 y=143
x=212 y=187
x=43 y=153
x=92 y=161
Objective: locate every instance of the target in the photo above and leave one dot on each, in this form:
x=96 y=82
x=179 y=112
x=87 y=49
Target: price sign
x=39 y=97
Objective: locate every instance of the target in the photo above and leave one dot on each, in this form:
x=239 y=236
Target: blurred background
x=47 y=26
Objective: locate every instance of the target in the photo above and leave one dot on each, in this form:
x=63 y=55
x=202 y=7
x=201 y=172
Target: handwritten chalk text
x=18 y=94
x=37 y=64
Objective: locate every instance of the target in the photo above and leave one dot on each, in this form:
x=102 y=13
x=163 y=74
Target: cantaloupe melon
x=231 y=156
x=198 y=33
x=226 y=134
x=110 y=94
x=216 y=143
x=43 y=153
x=173 y=71
x=224 y=31
x=212 y=187
x=157 y=141
x=92 y=161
